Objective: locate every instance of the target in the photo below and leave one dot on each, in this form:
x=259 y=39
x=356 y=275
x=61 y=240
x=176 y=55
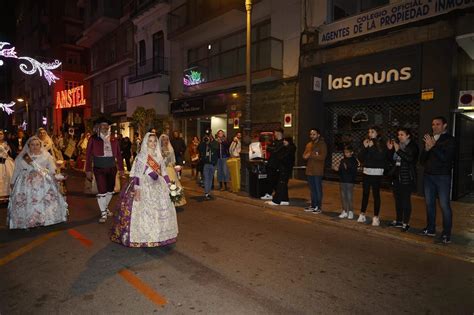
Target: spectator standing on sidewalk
x=223 y=174
x=437 y=159
x=194 y=157
x=347 y=170
x=208 y=150
x=315 y=154
x=282 y=160
x=179 y=147
x=236 y=146
x=403 y=156
x=373 y=157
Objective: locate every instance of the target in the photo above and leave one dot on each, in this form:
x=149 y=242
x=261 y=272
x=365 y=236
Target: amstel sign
x=70 y=98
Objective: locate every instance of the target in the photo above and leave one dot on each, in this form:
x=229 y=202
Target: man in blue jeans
x=208 y=150
x=437 y=159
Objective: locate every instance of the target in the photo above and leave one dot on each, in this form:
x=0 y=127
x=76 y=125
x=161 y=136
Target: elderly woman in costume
x=170 y=161
x=147 y=216
x=6 y=167
x=102 y=158
x=35 y=200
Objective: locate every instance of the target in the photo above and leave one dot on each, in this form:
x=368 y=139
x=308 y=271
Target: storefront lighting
x=29 y=65
x=235 y=95
x=7 y=107
x=209 y=47
x=193 y=78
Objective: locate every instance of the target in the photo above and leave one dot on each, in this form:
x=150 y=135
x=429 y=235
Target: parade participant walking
x=437 y=159
x=169 y=159
x=49 y=146
x=208 y=150
x=403 y=156
x=347 y=170
x=6 y=168
x=373 y=157
x=102 y=157
x=315 y=153
x=147 y=216
x=36 y=200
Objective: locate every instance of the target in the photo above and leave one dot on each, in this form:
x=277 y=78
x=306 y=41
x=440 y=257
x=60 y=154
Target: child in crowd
x=347 y=171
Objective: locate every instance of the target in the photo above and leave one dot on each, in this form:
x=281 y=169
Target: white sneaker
x=309 y=209
x=343 y=214
x=350 y=216
x=284 y=203
x=375 y=221
x=267 y=197
x=271 y=203
x=361 y=218
x=103 y=218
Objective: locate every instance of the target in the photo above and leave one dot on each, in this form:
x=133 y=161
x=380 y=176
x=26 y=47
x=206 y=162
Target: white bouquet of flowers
x=176 y=192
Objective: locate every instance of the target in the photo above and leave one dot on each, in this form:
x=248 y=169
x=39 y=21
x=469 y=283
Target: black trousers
x=370 y=181
x=281 y=189
x=402 y=194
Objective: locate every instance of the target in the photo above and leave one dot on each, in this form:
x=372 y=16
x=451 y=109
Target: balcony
x=191 y=14
x=102 y=17
x=139 y=7
x=227 y=69
x=148 y=69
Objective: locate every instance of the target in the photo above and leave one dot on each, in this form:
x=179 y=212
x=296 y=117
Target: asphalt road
x=230 y=258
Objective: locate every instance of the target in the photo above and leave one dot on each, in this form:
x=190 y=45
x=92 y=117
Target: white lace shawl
x=42 y=162
x=168 y=151
x=139 y=167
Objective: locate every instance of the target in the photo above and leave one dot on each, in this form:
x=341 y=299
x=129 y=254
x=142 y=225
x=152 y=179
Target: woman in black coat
x=403 y=156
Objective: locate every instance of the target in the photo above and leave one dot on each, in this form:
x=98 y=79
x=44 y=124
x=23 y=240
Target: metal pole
x=248 y=89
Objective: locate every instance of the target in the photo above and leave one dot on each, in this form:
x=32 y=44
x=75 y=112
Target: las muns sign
x=387 y=17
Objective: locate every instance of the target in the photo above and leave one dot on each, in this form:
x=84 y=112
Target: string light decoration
x=7 y=107
x=29 y=65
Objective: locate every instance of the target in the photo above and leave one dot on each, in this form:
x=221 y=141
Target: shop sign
x=187 y=108
x=386 y=17
x=395 y=72
x=427 y=94
x=70 y=98
x=193 y=76
x=287 y=121
x=370 y=78
x=466 y=99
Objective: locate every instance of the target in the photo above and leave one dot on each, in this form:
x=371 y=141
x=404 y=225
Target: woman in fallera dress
x=36 y=200
x=170 y=162
x=147 y=216
x=6 y=168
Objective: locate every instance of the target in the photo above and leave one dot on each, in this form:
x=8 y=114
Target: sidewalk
x=462 y=246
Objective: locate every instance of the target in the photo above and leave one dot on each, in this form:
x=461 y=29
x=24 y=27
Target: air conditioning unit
x=466 y=99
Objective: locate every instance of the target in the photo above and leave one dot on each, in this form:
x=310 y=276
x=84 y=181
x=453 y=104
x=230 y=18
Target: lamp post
x=21 y=100
x=248 y=85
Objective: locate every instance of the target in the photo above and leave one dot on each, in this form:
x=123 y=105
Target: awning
x=157 y=101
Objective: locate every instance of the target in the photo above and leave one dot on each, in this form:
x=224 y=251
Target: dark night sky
x=7 y=20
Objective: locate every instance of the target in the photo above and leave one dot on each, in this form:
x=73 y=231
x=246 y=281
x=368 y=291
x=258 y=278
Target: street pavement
x=236 y=256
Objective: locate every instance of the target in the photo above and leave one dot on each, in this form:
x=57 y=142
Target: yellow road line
x=144 y=288
x=22 y=250
x=288 y=216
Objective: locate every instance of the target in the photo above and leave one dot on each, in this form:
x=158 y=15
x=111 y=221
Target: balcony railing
x=266 y=54
x=149 y=68
x=191 y=14
x=102 y=8
x=140 y=6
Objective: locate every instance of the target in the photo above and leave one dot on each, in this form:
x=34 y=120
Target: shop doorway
x=348 y=122
x=463 y=180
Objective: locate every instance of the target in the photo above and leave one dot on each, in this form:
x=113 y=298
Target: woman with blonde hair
x=170 y=161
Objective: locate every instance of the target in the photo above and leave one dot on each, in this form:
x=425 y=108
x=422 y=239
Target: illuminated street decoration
x=24 y=125
x=7 y=107
x=70 y=98
x=30 y=65
x=45 y=121
x=193 y=78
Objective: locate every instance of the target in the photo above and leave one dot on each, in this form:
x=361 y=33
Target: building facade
x=392 y=64
x=149 y=78
x=35 y=38
x=208 y=43
x=108 y=34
